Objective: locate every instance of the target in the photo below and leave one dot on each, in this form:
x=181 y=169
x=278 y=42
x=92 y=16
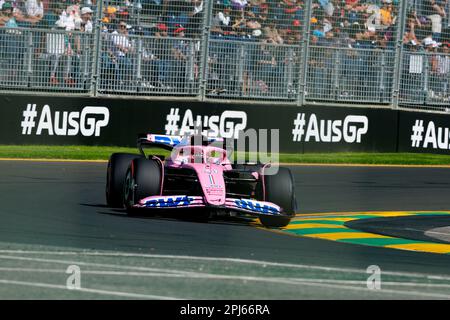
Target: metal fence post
x=335 y=73
x=95 y=75
x=301 y=94
x=398 y=61
x=424 y=79
x=203 y=67
x=240 y=68
x=139 y=65
x=190 y=66
x=289 y=71
x=87 y=53
x=29 y=57
x=381 y=78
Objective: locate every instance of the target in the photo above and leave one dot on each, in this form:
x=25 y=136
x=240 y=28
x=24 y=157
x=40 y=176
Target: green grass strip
x=350 y=216
x=318 y=221
x=103 y=153
x=379 y=242
x=432 y=214
x=367 y=158
x=307 y=231
x=61 y=152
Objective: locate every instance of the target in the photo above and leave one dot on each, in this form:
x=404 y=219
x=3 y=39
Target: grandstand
x=367 y=52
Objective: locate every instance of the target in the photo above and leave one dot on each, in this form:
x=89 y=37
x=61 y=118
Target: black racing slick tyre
x=280 y=189
x=143 y=179
x=117 y=168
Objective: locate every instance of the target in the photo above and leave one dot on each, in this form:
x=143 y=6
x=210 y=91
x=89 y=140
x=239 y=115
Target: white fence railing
x=367 y=52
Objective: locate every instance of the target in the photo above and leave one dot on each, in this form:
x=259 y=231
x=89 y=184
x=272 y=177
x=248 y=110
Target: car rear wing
x=168 y=142
x=165 y=142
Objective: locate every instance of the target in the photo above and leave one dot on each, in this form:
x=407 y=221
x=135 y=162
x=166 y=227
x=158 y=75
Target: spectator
x=156 y=66
x=252 y=25
x=239 y=26
x=34 y=10
x=194 y=27
x=86 y=19
x=52 y=15
x=443 y=72
x=152 y=7
x=431 y=47
x=59 y=45
x=68 y=16
x=412 y=80
x=411 y=23
x=317 y=71
x=73 y=10
x=358 y=25
x=162 y=58
x=262 y=13
x=82 y=43
x=162 y=31
x=35 y=13
x=109 y=18
x=238 y=4
x=351 y=4
x=180 y=52
x=178 y=13
x=7 y=18
x=122 y=49
x=386 y=14
x=73 y=14
x=292 y=11
x=11 y=40
x=294 y=36
x=221 y=24
x=435 y=10
x=272 y=35
x=268 y=69
x=21 y=18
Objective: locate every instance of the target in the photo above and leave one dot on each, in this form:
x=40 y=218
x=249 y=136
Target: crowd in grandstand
x=168 y=26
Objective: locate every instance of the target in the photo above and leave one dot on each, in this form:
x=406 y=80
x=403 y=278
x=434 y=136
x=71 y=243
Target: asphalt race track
x=53 y=216
x=419 y=227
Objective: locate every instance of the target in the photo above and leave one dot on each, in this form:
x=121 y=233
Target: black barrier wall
x=116 y=122
x=424 y=132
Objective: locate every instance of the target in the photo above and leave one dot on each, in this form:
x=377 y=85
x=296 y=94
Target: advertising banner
x=117 y=122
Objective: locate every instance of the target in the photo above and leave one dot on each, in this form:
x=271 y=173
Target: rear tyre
x=117 y=168
x=280 y=189
x=143 y=179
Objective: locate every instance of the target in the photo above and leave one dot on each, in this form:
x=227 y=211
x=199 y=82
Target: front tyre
x=279 y=189
x=143 y=179
x=117 y=168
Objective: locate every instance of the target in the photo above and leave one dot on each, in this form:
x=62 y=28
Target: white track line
x=233 y=260
x=286 y=281
x=81 y=263
x=228 y=277
x=277 y=281
x=87 y=290
x=289 y=281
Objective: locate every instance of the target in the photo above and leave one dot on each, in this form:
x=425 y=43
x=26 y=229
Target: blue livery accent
x=256 y=207
x=173 y=141
x=169 y=202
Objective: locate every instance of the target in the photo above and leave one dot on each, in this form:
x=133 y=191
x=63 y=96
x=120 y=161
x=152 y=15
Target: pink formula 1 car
x=198 y=174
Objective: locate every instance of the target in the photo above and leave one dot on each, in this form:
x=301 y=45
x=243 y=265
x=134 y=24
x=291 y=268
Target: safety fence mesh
x=386 y=52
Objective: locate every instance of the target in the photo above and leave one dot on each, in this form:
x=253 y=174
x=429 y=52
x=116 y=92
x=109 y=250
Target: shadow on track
x=183 y=215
